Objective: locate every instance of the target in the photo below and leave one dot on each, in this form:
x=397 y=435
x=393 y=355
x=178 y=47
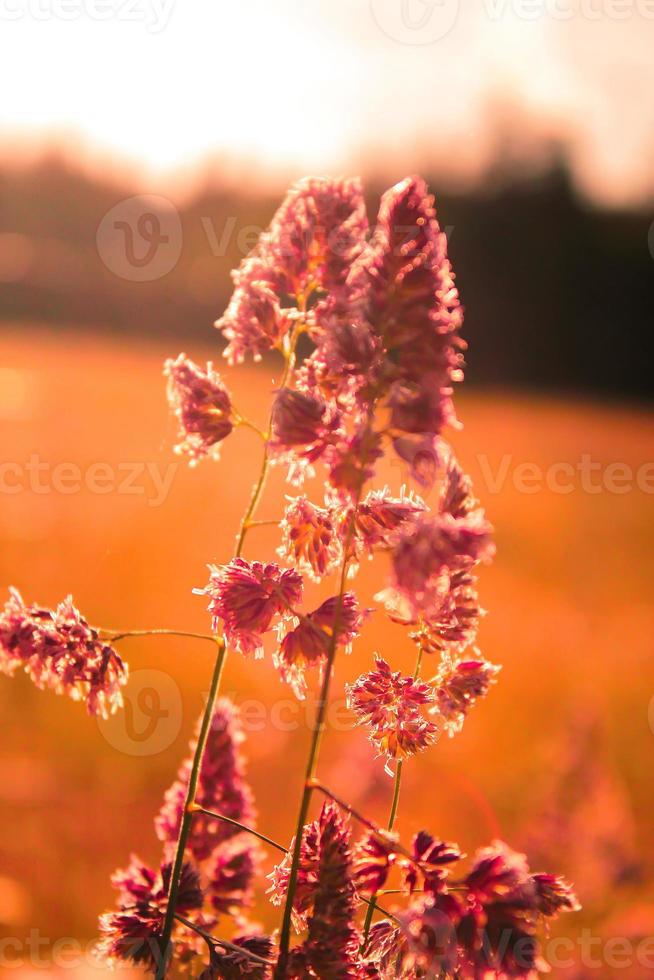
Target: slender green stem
x=391 y=820
x=187 y=815
x=113 y=636
x=241 y=826
x=189 y=804
x=312 y=763
x=391 y=823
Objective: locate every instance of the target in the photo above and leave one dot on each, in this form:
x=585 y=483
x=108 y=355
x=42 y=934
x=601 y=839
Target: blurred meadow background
x=139 y=160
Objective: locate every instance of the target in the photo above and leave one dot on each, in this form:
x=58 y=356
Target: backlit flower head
x=230 y=874
x=61 y=652
x=246 y=597
x=453 y=621
x=332 y=945
x=426 y=555
x=253 y=322
x=432 y=859
x=391 y=704
x=202 y=406
x=554 y=895
x=309 y=643
x=134 y=931
x=408 y=295
x=310 y=538
x=222 y=788
x=458 y=686
x=307 y=876
x=351 y=460
x=317 y=232
x=380 y=516
x=373 y=858
x=298 y=419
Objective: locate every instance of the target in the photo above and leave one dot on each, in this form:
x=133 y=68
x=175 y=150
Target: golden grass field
x=570 y=620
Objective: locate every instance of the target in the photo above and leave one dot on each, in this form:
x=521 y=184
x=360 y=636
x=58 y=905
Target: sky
x=336 y=85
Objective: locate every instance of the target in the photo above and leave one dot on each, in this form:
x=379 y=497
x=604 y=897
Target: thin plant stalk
x=189 y=803
x=370 y=911
x=314 y=750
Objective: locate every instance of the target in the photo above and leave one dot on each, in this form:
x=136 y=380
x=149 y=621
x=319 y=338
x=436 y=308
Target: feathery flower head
x=554 y=895
x=332 y=945
x=310 y=538
x=134 y=931
x=253 y=322
x=426 y=554
x=408 y=295
x=454 y=621
x=380 y=516
x=202 y=406
x=351 y=460
x=307 y=876
x=229 y=876
x=222 y=787
x=432 y=858
x=246 y=597
x=373 y=858
x=390 y=704
x=308 y=645
x=421 y=407
x=422 y=454
x=298 y=418
x=316 y=233
x=60 y=651
x=458 y=686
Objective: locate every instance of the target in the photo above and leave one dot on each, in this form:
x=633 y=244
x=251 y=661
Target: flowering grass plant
x=379 y=316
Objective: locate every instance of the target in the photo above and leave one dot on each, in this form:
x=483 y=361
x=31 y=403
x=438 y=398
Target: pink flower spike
x=308 y=645
x=246 y=597
x=202 y=406
x=310 y=538
x=60 y=651
x=391 y=704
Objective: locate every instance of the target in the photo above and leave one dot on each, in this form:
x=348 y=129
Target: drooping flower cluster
x=483 y=925
x=133 y=932
x=247 y=598
x=337 y=621
x=61 y=652
x=391 y=705
x=221 y=860
x=202 y=406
